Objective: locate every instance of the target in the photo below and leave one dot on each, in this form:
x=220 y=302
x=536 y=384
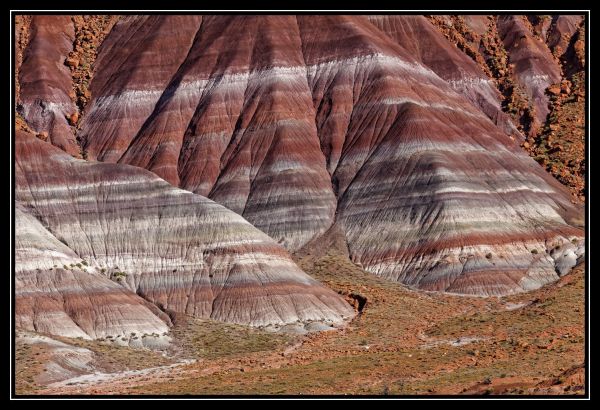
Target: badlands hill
x=101 y=247
x=179 y=158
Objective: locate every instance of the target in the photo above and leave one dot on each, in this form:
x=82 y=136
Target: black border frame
x=440 y=10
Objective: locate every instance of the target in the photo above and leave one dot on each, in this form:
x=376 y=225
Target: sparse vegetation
x=210 y=339
x=119 y=275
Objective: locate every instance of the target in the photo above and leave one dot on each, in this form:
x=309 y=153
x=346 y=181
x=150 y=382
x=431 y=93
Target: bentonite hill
x=279 y=204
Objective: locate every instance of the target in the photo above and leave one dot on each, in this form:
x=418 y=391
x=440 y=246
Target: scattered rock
x=554 y=89
x=73 y=118
x=72 y=62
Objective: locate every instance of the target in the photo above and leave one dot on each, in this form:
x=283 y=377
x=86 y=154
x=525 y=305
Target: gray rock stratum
x=96 y=243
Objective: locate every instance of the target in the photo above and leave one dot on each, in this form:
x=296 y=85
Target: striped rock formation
x=301 y=124
x=428 y=46
x=55 y=296
x=93 y=239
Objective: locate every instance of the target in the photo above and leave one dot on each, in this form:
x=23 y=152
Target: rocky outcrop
x=104 y=235
x=302 y=129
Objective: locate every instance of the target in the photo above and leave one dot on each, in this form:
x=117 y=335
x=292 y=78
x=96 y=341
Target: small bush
x=534 y=251
x=488 y=256
x=78 y=265
x=84 y=263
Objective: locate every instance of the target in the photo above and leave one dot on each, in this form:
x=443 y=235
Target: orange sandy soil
x=403 y=343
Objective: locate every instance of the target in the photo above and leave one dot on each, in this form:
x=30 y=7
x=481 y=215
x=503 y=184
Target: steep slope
x=534 y=66
x=144 y=52
x=544 y=43
x=560 y=32
x=45 y=80
x=301 y=124
x=234 y=122
x=428 y=46
x=423 y=200
x=180 y=251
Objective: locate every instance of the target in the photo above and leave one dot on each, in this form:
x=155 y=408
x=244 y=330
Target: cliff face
x=375 y=126
x=103 y=235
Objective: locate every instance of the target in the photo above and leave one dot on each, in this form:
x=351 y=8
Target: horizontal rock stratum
x=305 y=125
x=95 y=243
